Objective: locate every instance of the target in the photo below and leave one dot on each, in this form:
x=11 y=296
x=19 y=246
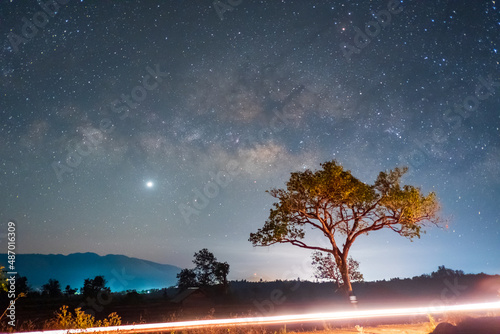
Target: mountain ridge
x=120 y=271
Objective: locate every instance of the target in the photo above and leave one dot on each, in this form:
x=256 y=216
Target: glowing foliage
x=342 y=208
x=66 y=320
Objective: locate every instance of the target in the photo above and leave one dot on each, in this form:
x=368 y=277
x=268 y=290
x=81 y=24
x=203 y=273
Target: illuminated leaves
x=342 y=208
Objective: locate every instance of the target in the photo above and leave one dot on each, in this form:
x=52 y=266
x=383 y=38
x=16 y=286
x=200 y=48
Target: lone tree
x=52 y=289
x=332 y=201
x=221 y=270
x=208 y=271
x=186 y=278
x=93 y=287
x=68 y=291
x=205 y=262
x=326 y=268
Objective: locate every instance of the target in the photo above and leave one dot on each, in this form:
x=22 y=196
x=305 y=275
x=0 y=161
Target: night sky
x=152 y=129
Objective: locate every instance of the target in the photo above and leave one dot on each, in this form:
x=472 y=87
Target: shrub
x=66 y=320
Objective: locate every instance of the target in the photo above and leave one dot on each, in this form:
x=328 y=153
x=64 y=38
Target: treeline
x=205 y=275
x=52 y=289
x=442 y=287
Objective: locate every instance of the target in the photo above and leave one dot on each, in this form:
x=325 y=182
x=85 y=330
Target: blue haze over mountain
x=121 y=272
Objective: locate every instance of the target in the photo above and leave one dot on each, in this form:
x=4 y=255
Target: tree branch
x=302 y=244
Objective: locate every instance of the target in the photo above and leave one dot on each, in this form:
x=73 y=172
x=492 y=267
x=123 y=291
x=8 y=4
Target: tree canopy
x=92 y=287
x=208 y=271
x=186 y=278
x=331 y=200
x=52 y=288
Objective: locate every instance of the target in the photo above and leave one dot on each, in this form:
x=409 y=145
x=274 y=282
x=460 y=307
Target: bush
x=66 y=320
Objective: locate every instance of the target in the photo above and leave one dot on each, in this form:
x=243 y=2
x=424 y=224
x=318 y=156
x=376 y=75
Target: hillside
x=121 y=272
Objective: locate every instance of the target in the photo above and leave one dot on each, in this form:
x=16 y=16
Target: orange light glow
x=144 y=328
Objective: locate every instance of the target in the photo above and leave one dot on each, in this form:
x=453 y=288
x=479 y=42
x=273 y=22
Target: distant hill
x=121 y=272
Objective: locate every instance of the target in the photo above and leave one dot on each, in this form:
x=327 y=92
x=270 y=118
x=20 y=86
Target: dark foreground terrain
x=246 y=299
x=482 y=325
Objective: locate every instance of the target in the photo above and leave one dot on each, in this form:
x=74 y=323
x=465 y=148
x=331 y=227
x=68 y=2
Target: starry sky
x=152 y=129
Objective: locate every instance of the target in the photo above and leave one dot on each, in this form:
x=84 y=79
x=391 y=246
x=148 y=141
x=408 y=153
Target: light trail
x=280 y=319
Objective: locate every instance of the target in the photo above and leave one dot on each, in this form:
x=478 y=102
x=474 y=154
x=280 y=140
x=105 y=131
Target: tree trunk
x=345 y=277
x=344 y=271
x=343 y=265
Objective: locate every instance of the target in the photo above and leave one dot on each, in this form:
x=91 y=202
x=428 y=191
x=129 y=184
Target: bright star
x=150 y=184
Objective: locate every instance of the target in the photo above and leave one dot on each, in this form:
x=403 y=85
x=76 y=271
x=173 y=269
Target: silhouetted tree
x=326 y=268
x=92 y=287
x=52 y=289
x=22 y=285
x=205 y=264
x=68 y=291
x=208 y=271
x=221 y=270
x=341 y=207
x=186 y=279
x=443 y=272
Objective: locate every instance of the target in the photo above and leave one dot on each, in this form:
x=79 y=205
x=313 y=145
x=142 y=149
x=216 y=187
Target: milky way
x=153 y=128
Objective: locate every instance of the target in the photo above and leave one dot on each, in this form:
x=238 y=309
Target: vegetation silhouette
x=207 y=272
x=442 y=287
x=92 y=287
x=52 y=289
